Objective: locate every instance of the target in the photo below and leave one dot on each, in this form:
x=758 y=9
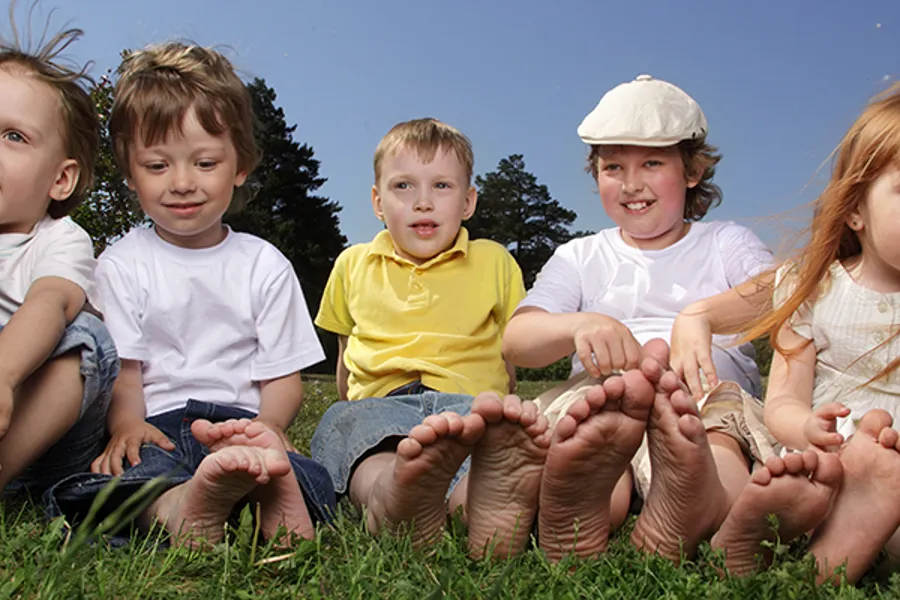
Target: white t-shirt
x=646 y=289
x=207 y=324
x=54 y=248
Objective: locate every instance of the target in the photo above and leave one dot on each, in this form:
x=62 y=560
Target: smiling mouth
x=425 y=228
x=638 y=205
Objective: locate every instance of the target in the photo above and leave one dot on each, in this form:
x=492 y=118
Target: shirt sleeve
x=70 y=256
x=286 y=339
x=785 y=285
x=514 y=290
x=557 y=288
x=334 y=309
x=743 y=254
x=119 y=298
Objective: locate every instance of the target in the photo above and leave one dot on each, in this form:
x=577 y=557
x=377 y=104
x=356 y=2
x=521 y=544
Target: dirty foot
x=592 y=446
x=798 y=489
x=866 y=512
x=505 y=477
x=411 y=491
x=195 y=512
x=281 y=502
x=686 y=501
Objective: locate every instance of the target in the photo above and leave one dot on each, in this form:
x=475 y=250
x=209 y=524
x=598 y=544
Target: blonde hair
x=870 y=146
x=700 y=160
x=159 y=84
x=81 y=124
x=426 y=137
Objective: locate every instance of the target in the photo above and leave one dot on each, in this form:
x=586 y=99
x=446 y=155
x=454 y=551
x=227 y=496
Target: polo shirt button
x=879 y=336
x=883 y=307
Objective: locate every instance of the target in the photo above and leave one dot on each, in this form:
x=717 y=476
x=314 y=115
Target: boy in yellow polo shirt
x=420 y=312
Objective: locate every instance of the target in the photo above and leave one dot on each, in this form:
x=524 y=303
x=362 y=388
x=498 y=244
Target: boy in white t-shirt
x=606 y=298
x=211 y=324
x=57 y=361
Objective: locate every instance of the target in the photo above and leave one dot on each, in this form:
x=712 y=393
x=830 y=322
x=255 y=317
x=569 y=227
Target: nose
x=632 y=183
x=423 y=202
x=182 y=181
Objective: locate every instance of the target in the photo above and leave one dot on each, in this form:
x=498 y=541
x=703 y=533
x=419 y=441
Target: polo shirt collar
x=383 y=245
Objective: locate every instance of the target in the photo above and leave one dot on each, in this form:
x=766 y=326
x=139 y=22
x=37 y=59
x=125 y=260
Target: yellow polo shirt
x=440 y=322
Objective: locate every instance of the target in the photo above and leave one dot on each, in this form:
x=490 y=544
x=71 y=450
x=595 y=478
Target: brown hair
x=426 y=137
x=870 y=146
x=159 y=84
x=81 y=125
x=700 y=160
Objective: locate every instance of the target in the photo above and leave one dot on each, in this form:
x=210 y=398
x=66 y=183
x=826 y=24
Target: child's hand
x=127 y=442
x=605 y=345
x=691 y=351
x=820 y=428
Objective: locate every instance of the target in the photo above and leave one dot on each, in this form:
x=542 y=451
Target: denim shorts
x=74 y=495
x=86 y=439
x=351 y=430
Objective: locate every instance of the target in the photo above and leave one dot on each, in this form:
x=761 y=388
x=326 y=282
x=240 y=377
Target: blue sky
x=779 y=81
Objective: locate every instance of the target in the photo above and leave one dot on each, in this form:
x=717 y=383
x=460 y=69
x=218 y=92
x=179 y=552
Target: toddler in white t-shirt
x=607 y=298
x=57 y=360
x=211 y=324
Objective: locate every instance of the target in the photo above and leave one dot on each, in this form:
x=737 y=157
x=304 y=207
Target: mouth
x=638 y=206
x=424 y=228
x=184 y=209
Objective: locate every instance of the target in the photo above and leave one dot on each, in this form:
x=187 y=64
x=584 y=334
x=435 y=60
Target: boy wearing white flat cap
x=659 y=273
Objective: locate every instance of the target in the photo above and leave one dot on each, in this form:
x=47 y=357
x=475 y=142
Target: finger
x=133 y=452
x=103 y=467
x=832 y=410
x=602 y=359
x=692 y=377
x=824 y=439
x=116 y=456
x=709 y=369
x=585 y=355
x=95 y=464
x=632 y=353
x=160 y=439
x=616 y=356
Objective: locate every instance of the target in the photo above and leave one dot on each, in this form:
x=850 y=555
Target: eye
x=155 y=167
x=401 y=185
x=653 y=163
x=207 y=164
x=15 y=137
x=611 y=167
x=442 y=185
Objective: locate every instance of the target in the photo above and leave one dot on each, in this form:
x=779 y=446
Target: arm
x=128 y=430
x=511 y=371
x=788 y=409
x=32 y=333
x=536 y=338
x=727 y=312
x=279 y=403
x=343 y=373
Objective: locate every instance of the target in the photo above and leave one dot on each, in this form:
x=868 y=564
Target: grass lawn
x=38 y=560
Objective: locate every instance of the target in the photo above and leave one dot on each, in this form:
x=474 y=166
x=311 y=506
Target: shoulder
x=134 y=243
x=256 y=249
x=728 y=232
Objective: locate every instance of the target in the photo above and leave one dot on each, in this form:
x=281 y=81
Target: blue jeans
x=74 y=495
x=87 y=437
x=350 y=431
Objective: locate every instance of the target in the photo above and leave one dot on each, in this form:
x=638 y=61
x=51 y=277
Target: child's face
x=879 y=234
x=643 y=191
x=34 y=168
x=422 y=204
x=185 y=183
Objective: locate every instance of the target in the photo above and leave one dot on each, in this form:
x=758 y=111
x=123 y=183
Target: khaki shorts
x=726 y=408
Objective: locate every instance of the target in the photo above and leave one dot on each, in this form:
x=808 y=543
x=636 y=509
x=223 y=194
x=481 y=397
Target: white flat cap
x=644 y=112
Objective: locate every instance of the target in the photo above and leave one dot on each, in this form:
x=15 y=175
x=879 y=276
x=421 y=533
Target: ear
x=240 y=179
x=376 y=204
x=66 y=180
x=855 y=220
x=693 y=182
x=471 y=201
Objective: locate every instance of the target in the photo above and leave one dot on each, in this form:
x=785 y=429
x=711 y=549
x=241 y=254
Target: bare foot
x=505 y=477
x=195 y=512
x=797 y=489
x=281 y=502
x=686 y=501
x=411 y=491
x=592 y=446
x=866 y=513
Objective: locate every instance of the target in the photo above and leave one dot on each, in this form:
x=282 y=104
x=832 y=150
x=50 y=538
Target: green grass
x=38 y=560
